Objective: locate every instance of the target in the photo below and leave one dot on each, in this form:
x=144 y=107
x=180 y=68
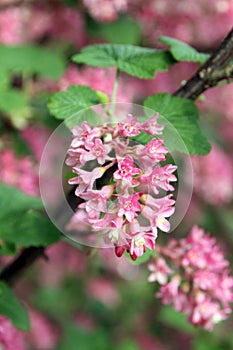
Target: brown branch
x=26 y=258
x=218 y=67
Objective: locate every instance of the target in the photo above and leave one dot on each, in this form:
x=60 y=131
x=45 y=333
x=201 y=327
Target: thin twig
x=218 y=67
x=26 y=258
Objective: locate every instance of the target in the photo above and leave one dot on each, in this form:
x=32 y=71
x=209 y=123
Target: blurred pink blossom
x=43 y=334
x=213 y=176
x=104 y=291
x=186 y=21
x=98 y=79
x=11 y=25
x=105 y=10
x=29 y=23
x=36 y=137
x=10 y=337
x=199 y=283
x=63 y=259
x=19 y=172
x=218 y=100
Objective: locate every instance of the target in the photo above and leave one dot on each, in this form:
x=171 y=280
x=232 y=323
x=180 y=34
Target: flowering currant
x=198 y=282
x=126 y=207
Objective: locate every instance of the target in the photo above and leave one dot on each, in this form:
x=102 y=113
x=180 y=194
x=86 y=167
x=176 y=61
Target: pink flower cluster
x=124 y=206
x=198 y=282
x=184 y=20
x=10 y=338
x=54 y=20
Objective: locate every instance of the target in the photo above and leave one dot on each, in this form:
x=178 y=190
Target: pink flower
x=129 y=206
x=155 y=150
x=97 y=151
x=84 y=135
x=151 y=154
x=140 y=242
x=126 y=170
x=131 y=128
x=86 y=179
x=96 y=199
x=156 y=210
x=207 y=313
x=170 y=291
x=151 y=126
x=77 y=156
x=159 y=271
x=160 y=177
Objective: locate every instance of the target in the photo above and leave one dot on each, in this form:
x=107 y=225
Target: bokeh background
x=82 y=299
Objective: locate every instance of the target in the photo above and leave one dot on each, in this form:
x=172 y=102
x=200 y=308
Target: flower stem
x=114 y=92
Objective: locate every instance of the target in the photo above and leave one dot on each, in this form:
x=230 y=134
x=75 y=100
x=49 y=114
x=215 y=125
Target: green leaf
x=183 y=115
x=183 y=52
x=128 y=345
x=4 y=80
x=103 y=98
x=30 y=59
x=13 y=102
x=21 y=222
x=137 y=61
x=7 y=248
x=12 y=309
x=142 y=259
x=65 y=104
x=28 y=229
x=175 y=320
x=13 y=200
x=142 y=138
x=21 y=148
x=122 y=31
x=85 y=339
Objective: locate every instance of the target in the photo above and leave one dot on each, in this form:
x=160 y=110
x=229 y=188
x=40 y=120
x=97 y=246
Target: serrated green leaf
x=183 y=115
x=122 y=31
x=30 y=59
x=21 y=222
x=182 y=51
x=67 y=103
x=12 y=309
x=137 y=61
